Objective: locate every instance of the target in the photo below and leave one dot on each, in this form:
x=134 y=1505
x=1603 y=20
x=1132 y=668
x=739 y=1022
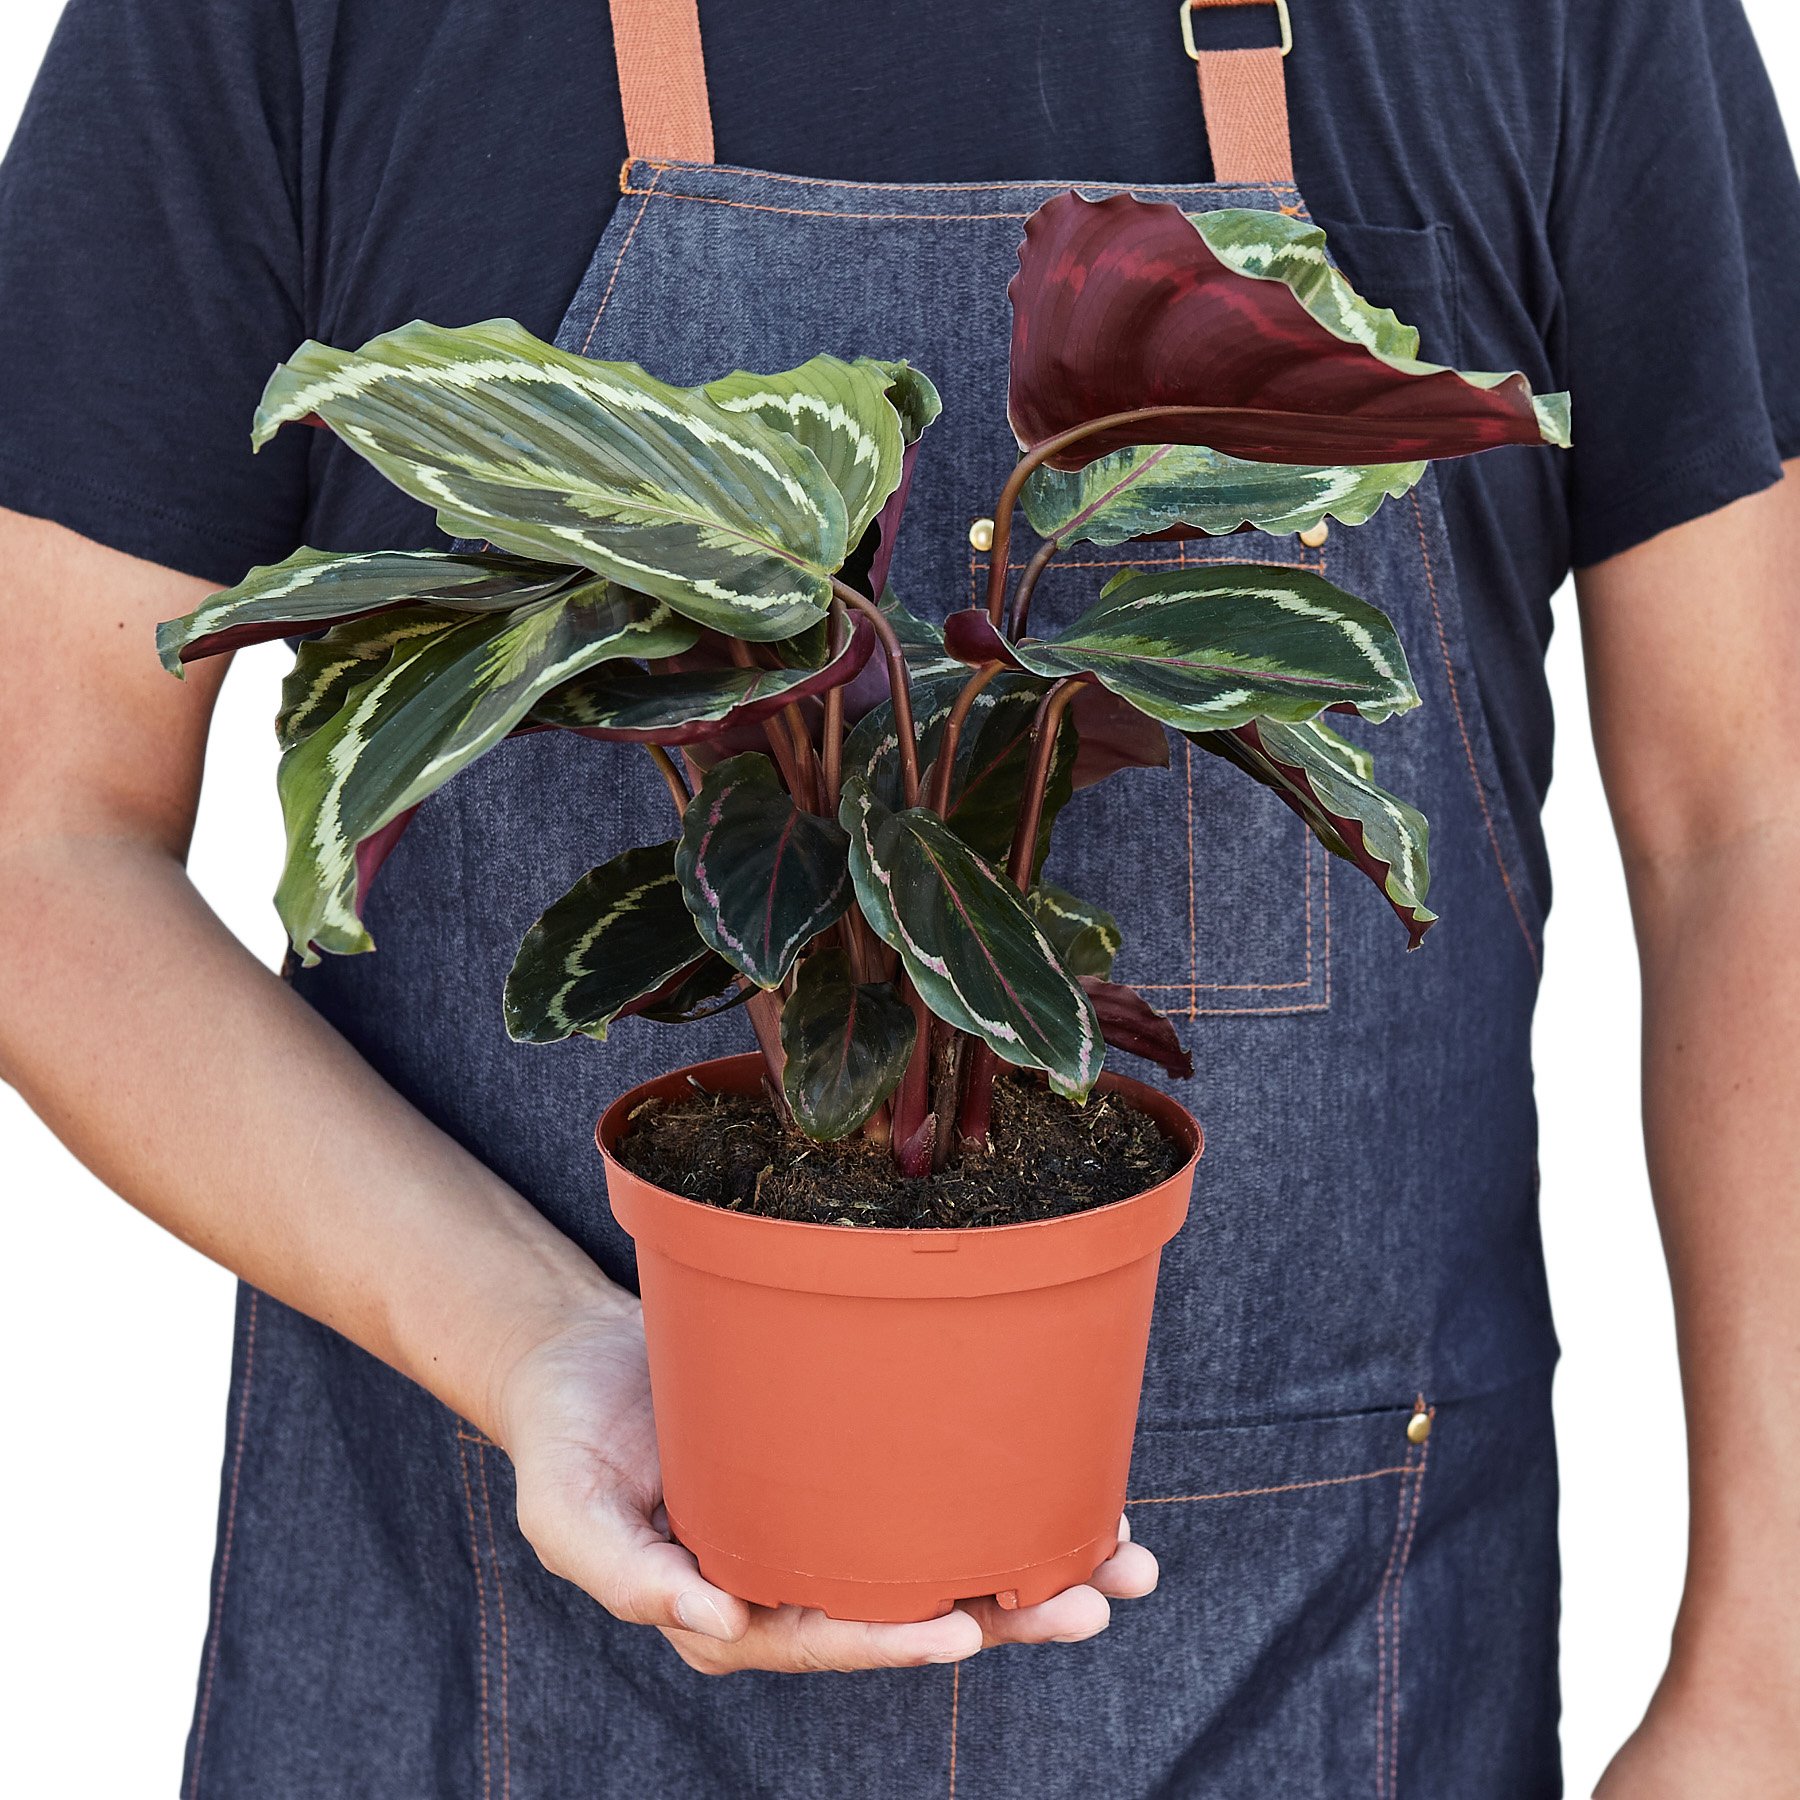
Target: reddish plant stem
x=974 y=1115
x=665 y=766
x=946 y=1064
x=1019 y=614
x=1034 y=459
x=831 y=736
x=806 y=764
x=764 y=1008
x=773 y=729
x=912 y=1099
x=899 y=684
x=952 y=734
x=1044 y=730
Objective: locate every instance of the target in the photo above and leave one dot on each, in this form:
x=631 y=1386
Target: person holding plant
x=1345 y=1448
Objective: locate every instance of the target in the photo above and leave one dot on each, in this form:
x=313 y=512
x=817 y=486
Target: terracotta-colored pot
x=880 y=1423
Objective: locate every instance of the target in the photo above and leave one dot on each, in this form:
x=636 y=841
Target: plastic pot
x=880 y=1423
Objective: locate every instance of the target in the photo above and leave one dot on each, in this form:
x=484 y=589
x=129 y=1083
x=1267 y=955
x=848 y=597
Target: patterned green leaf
x=681 y=706
x=1085 y=936
x=1156 y=487
x=436 y=704
x=847 y=1046
x=912 y=395
x=841 y=412
x=1330 y=784
x=316 y=587
x=993 y=761
x=327 y=667
x=968 y=943
x=618 y=936
x=731 y=522
x=1217 y=646
x=762 y=878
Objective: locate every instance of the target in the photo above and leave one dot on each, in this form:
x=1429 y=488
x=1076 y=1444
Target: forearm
x=198 y=1086
x=1722 y=1069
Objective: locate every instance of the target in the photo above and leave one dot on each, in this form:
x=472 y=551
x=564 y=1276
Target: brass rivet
x=1418 y=1428
x=981 y=535
x=1315 y=538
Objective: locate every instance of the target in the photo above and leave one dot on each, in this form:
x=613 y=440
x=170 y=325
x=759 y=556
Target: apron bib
x=1343 y=1610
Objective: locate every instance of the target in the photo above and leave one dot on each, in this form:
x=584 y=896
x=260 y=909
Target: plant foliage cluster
x=862 y=801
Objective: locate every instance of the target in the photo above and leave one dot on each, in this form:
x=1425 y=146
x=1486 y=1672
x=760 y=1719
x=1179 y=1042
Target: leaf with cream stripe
x=968 y=943
x=618 y=937
x=730 y=521
x=1331 y=785
x=435 y=705
x=1214 y=647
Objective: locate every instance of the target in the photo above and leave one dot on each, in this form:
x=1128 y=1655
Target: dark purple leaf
x=1130 y=1023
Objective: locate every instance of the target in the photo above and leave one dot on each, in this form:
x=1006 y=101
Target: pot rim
x=887 y=1260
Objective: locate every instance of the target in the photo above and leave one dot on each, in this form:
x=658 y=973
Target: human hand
x=575 y=1418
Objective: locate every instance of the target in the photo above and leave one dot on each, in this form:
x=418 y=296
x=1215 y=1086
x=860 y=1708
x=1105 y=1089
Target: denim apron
x=1344 y=1460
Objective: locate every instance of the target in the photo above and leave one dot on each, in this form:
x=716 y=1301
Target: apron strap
x=1244 y=95
x=662 y=80
x=662 y=88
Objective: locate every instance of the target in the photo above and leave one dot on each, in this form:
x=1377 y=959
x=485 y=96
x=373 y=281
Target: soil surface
x=1047 y=1158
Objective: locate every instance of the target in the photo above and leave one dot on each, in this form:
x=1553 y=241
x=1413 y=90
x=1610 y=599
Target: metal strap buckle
x=1185 y=12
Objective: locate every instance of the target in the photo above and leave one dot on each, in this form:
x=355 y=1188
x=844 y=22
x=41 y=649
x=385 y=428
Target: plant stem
x=1033 y=460
x=678 y=789
x=1020 y=612
x=831 y=737
x=1044 y=729
x=952 y=734
x=912 y=1099
x=806 y=765
x=764 y=1008
x=974 y=1116
x=773 y=730
x=899 y=684
x=946 y=1062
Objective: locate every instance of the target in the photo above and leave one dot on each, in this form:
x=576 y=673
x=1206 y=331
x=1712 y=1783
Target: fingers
x=1068 y=1618
x=800 y=1641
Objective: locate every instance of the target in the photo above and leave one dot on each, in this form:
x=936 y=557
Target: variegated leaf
x=968 y=943
x=846 y=1045
x=1214 y=647
x=993 y=764
x=1234 y=325
x=317 y=587
x=841 y=412
x=1085 y=936
x=684 y=706
x=327 y=667
x=762 y=878
x=706 y=987
x=1153 y=489
x=731 y=522
x=1130 y=1023
x=1330 y=784
x=614 y=941
x=435 y=705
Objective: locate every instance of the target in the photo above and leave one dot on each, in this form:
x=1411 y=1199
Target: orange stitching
x=487 y=1513
x=1412 y=1526
x=487 y=1762
x=475 y=1437
x=1291 y=1487
x=955 y=1704
x=970 y=187
x=1381 y=1593
x=619 y=262
x=1463 y=729
x=799 y=212
x=218 y=1612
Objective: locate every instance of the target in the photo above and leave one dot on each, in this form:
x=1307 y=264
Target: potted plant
x=897 y=1263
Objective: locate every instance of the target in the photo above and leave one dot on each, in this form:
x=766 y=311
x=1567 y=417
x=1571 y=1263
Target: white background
x=114 y=1338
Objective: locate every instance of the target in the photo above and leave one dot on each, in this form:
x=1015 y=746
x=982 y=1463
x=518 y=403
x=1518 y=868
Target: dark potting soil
x=1046 y=1157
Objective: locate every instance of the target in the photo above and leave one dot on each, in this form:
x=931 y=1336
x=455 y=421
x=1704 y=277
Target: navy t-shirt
x=197 y=185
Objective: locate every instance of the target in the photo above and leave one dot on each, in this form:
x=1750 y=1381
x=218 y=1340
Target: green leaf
x=729 y=521
x=1156 y=487
x=1330 y=784
x=1274 y=246
x=1085 y=936
x=435 y=704
x=842 y=413
x=316 y=587
x=1217 y=646
x=706 y=987
x=619 y=935
x=327 y=667
x=847 y=1045
x=993 y=764
x=762 y=878
x=912 y=395
x=967 y=942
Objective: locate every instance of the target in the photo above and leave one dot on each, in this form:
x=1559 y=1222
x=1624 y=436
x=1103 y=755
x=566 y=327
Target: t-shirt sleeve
x=151 y=276
x=1676 y=233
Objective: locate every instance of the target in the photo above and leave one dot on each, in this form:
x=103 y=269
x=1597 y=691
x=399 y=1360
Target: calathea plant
x=862 y=801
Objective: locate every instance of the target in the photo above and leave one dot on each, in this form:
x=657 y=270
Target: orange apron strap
x=662 y=80
x=1244 y=94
